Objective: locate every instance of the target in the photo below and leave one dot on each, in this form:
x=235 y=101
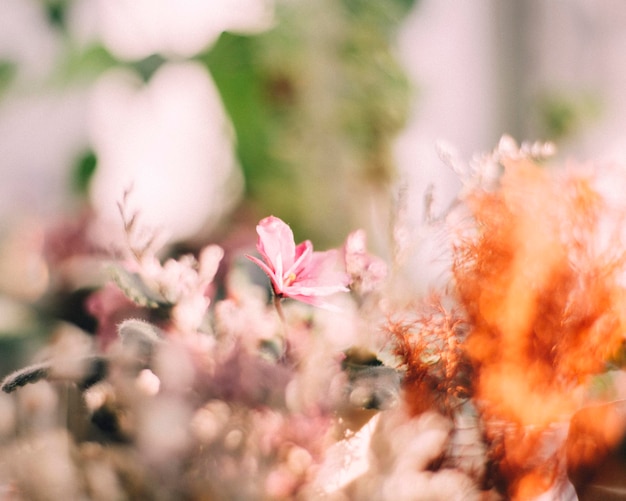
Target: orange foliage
x=437 y=372
x=543 y=302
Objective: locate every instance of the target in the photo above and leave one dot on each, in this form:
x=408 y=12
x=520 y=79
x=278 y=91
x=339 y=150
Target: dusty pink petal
x=276 y=284
x=304 y=253
x=355 y=243
x=209 y=261
x=296 y=271
x=276 y=243
x=313 y=290
x=312 y=300
x=317 y=301
x=325 y=269
x=303 y=247
x=366 y=270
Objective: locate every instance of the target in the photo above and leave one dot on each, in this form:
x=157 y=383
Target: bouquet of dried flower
x=328 y=379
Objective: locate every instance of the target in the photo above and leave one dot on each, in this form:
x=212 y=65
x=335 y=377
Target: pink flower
x=367 y=272
x=295 y=270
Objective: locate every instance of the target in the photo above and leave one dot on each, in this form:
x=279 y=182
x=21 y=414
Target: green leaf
x=134 y=287
x=8 y=70
x=83 y=171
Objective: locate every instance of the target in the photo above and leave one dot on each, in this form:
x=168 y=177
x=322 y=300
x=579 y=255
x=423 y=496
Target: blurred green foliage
x=83 y=171
x=563 y=114
x=56 y=12
x=8 y=70
x=316 y=103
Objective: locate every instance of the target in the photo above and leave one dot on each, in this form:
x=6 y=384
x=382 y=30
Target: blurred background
x=215 y=114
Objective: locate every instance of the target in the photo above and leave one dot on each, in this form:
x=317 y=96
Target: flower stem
x=279 y=309
x=283 y=320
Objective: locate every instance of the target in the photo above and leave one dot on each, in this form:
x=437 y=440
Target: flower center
x=291 y=278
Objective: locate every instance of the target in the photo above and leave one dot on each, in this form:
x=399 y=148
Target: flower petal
x=276 y=284
x=317 y=301
x=304 y=252
x=304 y=289
x=296 y=271
x=276 y=244
x=325 y=269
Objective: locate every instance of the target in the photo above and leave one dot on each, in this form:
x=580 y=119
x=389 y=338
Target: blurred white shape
x=455 y=79
x=42 y=136
x=134 y=29
x=347 y=459
x=580 y=46
x=169 y=141
x=148 y=382
x=28 y=39
x=42 y=130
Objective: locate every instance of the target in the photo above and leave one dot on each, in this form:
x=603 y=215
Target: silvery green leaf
x=136 y=289
x=139 y=337
x=94 y=369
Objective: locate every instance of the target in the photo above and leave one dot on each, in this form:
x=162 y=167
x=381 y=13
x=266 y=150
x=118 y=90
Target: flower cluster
x=296 y=271
x=207 y=379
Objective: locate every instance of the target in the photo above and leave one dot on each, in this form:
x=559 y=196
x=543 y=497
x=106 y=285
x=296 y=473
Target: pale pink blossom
x=366 y=271
x=296 y=271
